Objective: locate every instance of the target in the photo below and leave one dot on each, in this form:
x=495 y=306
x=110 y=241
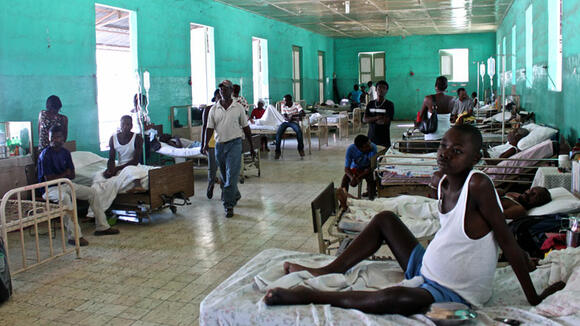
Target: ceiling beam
x=336 y=30
x=348 y=18
x=121 y=16
x=102 y=19
x=386 y=13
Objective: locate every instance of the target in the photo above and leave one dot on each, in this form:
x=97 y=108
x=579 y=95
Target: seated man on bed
x=457 y=266
x=292 y=113
x=357 y=165
x=128 y=144
x=56 y=162
x=256 y=114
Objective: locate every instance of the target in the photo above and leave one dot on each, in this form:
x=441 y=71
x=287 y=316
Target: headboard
x=70 y=145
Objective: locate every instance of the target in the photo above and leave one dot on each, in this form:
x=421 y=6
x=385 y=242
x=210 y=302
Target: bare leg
x=342 y=195
x=384 y=227
x=394 y=300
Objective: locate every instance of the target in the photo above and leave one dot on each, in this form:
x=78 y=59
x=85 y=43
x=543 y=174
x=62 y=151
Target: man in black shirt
x=379 y=114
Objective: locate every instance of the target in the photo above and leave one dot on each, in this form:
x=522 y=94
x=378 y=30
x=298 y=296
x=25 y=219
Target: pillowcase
x=82 y=159
x=563 y=201
x=537 y=135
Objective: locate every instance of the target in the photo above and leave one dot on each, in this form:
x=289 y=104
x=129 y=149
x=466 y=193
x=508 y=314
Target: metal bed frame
x=19 y=214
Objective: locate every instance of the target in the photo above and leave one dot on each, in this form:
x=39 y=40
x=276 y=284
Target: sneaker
x=229 y=212
x=109 y=231
x=301 y=152
x=82 y=242
x=277 y=156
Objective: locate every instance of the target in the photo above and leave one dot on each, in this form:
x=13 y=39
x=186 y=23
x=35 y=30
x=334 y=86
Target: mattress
x=238 y=300
x=419 y=213
x=180 y=152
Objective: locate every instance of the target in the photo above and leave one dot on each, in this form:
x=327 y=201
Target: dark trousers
x=281 y=131
x=371 y=187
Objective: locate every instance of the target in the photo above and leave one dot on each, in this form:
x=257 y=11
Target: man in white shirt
x=293 y=113
x=240 y=99
x=372 y=91
x=228 y=118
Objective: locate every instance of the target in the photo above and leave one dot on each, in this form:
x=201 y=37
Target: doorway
x=321 y=76
x=260 y=67
x=202 y=64
x=296 y=72
x=117 y=66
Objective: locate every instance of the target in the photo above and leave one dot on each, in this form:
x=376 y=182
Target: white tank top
x=443 y=124
x=126 y=152
x=458 y=262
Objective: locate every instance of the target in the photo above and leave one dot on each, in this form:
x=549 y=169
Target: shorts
x=438 y=291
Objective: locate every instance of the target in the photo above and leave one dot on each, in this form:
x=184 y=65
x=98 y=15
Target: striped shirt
x=293 y=110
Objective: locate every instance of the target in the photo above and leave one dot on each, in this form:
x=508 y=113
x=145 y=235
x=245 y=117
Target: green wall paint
x=553 y=108
x=48 y=47
x=419 y=54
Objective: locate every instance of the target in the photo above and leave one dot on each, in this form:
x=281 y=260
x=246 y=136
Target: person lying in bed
x=508 y=149
x=127 y=144
x=357 y=165
x=515 y=205
x=56 y=162
x=457 y=266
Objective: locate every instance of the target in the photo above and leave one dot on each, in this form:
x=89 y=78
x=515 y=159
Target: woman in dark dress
x=49 y=118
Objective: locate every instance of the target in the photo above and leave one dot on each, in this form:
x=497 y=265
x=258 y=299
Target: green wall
x=419 y=54
x=558 y=109
x=48 y=47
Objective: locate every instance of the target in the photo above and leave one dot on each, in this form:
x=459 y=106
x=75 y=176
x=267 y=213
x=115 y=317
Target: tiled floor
x=158 y=273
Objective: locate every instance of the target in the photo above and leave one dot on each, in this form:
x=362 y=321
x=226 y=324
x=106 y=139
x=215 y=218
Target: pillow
x=82 y=159
x=537 y=135
x=563 y=201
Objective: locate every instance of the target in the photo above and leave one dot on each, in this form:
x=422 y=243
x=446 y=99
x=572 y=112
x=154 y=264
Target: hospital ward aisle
x=158 y=273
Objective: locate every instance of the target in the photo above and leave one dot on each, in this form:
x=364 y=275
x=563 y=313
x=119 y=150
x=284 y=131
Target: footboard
x=170 y=180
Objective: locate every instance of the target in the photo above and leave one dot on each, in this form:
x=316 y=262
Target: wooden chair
x=324 y=207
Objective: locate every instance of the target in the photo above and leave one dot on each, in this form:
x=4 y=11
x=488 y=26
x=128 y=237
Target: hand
x=354 y=182
x=551 y=290
x=380 y=121
x=203 y=150
x=108 y=173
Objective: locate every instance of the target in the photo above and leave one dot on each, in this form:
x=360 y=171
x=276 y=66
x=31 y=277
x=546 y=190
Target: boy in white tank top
x=458 y=265
x=129 y=145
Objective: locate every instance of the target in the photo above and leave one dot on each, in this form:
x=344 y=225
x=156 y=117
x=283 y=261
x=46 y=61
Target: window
x=529 y=47
x=514 y=56
x=555 y=45
x=321 y=76
x=260 y=64
x=117 y=67
x=454 y=64
x=371 y=67
x=296 y=72
x=202 y=64
x=504 y=62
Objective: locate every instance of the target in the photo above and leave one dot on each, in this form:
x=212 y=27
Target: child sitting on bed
x=55 y=162
x=128 y=144
x=457 y=266
x=357 y=165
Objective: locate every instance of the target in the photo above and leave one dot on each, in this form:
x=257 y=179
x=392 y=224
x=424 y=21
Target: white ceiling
x=374 y=18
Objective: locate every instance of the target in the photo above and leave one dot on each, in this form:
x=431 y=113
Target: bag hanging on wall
x=428 y=125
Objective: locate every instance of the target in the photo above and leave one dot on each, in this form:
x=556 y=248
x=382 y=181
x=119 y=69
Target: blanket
x=239 y=299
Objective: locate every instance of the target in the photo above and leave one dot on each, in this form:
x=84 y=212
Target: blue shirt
x=357 y=159
x=51 y=162
x=355 y=96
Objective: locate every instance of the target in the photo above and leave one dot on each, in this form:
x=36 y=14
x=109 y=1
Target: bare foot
x=279 y=296
x=292 y=268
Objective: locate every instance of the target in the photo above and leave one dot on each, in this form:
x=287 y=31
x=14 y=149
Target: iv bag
x=482 y=70
x=491 y=67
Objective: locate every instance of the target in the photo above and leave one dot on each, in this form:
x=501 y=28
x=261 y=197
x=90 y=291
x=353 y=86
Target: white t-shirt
x=227 y=124
x=373 y=93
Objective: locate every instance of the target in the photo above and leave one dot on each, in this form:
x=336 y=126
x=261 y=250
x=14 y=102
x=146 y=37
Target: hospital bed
x=239 y=299
x=411 y=174
x=18 y=214
x=167 y=186
x=188 y=128
x=270 y=122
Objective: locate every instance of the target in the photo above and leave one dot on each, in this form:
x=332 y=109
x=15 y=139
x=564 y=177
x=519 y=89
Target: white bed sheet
x=419 y=213
x=238 y=300
x=169 y=150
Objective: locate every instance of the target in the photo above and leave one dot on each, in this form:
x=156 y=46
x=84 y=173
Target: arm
x=248 y=134
x=204 y=117
x=65 y=126
x=39 y=124
x=514 y=212
x=483 y=194
x=111 y=162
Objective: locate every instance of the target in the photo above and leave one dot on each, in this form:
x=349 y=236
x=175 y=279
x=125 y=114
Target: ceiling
x=374 y=18
x=112 y=27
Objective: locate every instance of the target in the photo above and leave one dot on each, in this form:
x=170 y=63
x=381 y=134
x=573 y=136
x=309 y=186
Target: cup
x=572 y=239
x=564 y=162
